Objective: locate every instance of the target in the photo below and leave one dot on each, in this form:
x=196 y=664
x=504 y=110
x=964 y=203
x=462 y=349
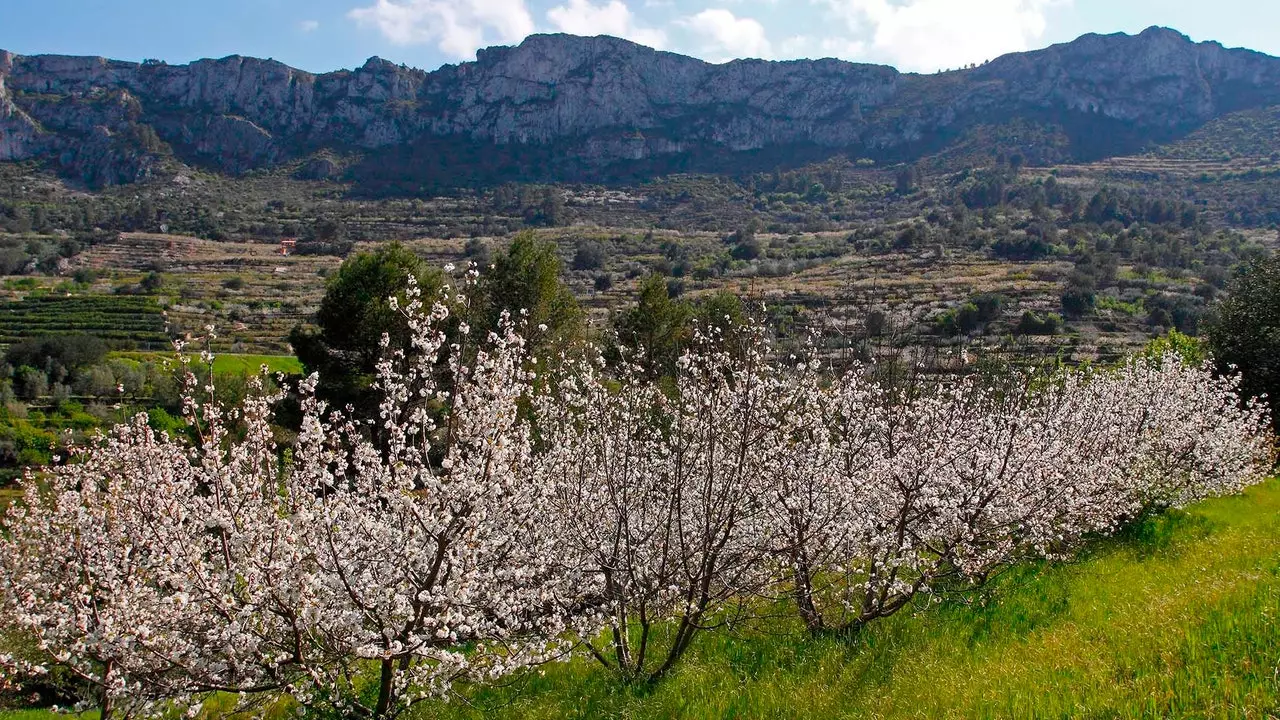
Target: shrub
x=1035 y=324
x=1078 y=301
x=590 y=255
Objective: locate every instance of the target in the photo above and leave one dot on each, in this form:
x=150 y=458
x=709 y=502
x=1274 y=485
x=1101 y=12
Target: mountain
x=560 y=106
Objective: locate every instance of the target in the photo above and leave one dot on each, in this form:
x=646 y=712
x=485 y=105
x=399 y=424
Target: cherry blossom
x=489 y=520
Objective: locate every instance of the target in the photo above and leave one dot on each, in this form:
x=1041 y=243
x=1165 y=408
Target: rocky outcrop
x=1158 y=78
x=18 y=132
x=600 y=103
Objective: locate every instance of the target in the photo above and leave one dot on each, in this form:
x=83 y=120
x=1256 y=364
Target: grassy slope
x=1176 y=619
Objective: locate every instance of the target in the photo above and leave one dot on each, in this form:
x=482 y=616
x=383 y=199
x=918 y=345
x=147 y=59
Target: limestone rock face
x=600 y=102
x=18 y=131
x=1158 y=78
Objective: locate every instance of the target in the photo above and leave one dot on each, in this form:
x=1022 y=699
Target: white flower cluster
x=853 y=498
x=359 y=574
x=495 y=522
x=886 y=495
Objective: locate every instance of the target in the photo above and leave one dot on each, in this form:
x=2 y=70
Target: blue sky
x=320 y=35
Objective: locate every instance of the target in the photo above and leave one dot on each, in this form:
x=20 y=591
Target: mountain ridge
x=569 y=107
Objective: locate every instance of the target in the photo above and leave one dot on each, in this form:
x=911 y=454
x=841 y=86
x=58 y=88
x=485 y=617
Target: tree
x=477 y=251
x=500 y=519
x=151 y=282
x=58 y=356
x=906 y=179
x=720 y=315
x=154 y=570
x=748 y=249
x=364 y=300
x=1034 y=324
x=527 y=278
x=1078 y=301
x=549 y=209
x=354 y=314
x=590 y=255
x=663 y=487
x=30 y=384
x=328 y=230
x=1243 y=331
x=71 y=575
x=884 y=495
x=655 y=332
x=660 y=328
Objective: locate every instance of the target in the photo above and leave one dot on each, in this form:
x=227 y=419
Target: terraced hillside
x=135 y=322
x=879 y=259
x=250 y=292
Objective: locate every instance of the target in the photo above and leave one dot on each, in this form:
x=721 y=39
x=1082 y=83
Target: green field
x=230 y=364
x=1176 y=619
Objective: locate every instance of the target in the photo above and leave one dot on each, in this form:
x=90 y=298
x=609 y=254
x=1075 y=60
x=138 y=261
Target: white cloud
x=456 y=27
x=724 y=35
x=582 y=17
x=929 y=35
x=309 y=26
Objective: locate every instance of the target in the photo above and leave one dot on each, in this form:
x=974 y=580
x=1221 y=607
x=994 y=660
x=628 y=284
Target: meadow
x=228 y=364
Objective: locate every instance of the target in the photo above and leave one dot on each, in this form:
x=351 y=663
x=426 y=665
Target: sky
x=323 y=35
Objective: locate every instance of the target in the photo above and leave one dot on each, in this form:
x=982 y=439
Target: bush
x=1078 y=302
x=151 y=282
x=589 y=256
x=746 y=250
x=1035 y=324
x=477 y=251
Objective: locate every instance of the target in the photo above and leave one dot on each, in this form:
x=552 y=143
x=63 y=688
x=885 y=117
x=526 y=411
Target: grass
x=230 y=364
x=1131 y=309
x=7 y=496
x=1176 y=618
x=250 y=364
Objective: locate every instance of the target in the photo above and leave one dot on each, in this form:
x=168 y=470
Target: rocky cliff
x=573 y=106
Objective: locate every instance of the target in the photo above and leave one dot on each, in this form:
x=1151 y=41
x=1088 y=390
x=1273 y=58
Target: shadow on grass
x=1164 y=534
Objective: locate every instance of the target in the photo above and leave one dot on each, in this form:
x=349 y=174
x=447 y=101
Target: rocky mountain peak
x=567 y=106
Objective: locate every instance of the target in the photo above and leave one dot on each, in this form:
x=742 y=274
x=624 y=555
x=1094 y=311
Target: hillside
x=1251 y=133
x=561 y=107
x=1177 y=619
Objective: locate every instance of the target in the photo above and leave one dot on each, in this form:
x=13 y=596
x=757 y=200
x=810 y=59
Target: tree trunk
x=813 y=620
x=107 y=703
x=385 y=687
